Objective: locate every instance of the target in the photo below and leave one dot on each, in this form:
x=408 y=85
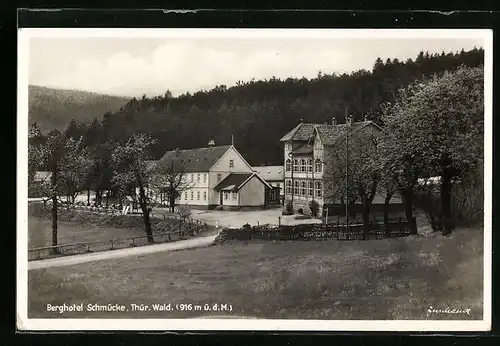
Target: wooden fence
x=393 y=229
x=194 y=228
x=336 y=209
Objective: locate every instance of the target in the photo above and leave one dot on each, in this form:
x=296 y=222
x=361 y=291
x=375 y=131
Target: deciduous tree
x=132 y=169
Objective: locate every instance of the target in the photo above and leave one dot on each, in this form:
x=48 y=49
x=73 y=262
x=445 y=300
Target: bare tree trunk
x=145 y=212
x=447 y=222
x=88 y=197
x=107 y=198
x=407 y=195
x=54 y=207
x=366 y=217
x=172 y=204
x=387 y=200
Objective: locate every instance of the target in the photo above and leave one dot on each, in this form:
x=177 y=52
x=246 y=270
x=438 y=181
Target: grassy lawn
x=40 y=232
x=77 y=227
x=379 y=279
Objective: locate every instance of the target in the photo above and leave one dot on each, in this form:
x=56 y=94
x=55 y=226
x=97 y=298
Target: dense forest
x=258 y=113
x=55 y=108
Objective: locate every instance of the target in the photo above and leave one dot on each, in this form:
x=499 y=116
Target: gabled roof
x=331 y=134
x=197 y=160
x=235 y=181
x=301 y=132
x=305 y=149
x=270 y=173
x=328 y=133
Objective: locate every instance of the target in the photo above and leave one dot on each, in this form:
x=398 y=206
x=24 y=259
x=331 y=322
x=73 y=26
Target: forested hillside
x=55 y=108
x=258 y=113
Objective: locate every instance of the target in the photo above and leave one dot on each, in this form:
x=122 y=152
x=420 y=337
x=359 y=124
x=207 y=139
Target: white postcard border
x=50 y=324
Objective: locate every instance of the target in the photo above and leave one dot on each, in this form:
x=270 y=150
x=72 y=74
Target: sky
x=133 y=66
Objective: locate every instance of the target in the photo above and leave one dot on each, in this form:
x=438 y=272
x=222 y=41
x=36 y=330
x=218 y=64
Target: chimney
x=334 y=121
x=211 y=143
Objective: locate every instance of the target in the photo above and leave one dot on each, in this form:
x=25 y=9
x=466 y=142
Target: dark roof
x=328 y=133
x=233 y=181
x=196 y=160
x=305 y=149
x=301 y=132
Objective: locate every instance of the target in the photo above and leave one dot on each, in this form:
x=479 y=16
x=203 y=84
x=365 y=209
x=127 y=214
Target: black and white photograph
x=254 y=179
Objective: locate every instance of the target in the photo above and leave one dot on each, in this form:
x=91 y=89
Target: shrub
x=300 y=211
x=184 y=212
x=314 y=206
x=467 y=202
x=428 y=199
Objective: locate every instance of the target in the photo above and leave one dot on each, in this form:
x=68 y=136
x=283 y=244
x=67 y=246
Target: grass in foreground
x=379 y=279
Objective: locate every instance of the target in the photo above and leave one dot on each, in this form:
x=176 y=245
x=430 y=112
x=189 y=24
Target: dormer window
x=231 y=163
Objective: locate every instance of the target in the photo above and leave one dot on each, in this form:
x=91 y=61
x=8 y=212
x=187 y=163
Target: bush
x=314 y=206
x=428 y=199
x=467 y=202
x=300 y=211
x=184 y=212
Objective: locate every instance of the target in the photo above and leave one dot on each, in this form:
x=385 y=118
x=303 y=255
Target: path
x=104 y=255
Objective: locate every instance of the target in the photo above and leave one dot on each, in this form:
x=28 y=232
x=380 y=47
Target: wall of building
x=230 y=198
x=194 y=196
x=252 y=193
x=239 y=164
x=222 y=169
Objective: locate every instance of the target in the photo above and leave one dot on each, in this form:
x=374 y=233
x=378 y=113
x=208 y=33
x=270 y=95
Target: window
x=185 y=196
x=295 y=165
x=288 y=146
x=235 y=196
x=231 y=163
x=319 y=190
x=296 y=187
x=288 y=165
x=310 y=189
x=219 y=177
x=310 y=165
x=205 y=177
x=288 y=186
x=318 y=166
x=192 y=195
x=204 y=195
x=198 y=195
x=302 y=165
x=198 y=177
x=226 y=195
x=303 y=188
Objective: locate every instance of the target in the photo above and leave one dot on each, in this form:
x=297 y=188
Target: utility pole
x=347 y=125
